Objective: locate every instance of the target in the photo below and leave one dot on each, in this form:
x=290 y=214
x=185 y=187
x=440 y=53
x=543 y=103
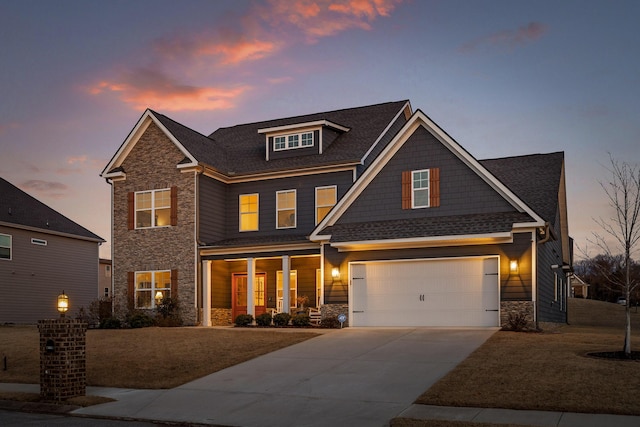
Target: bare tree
x=622 y=229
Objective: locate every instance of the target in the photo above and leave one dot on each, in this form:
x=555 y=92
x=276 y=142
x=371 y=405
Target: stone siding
x=514 y=308
x=333 y=310
x=151 y=165
x=221 y=317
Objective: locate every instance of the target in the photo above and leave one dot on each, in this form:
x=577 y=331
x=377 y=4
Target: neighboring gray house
x=104 y=278
x=42 y=253
x=373 y=212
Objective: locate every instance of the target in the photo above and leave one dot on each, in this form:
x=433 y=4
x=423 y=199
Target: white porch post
x=286 y=285
x=206 y=293
x=251 y=279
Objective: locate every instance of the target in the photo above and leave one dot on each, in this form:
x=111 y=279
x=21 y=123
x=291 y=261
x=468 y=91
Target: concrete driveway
x=353 y=376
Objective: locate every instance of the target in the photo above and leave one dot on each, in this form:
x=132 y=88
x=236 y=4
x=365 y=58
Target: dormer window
x=296 y=140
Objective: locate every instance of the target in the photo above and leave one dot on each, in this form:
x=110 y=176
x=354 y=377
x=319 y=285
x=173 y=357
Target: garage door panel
x=451 y=292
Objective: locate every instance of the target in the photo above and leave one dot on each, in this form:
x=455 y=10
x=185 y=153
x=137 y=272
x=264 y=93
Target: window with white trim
x=286 y=209
x=326 y=198
x=152 y=287
x=153 y=208
x=420 y=189
x=5 y=246
x=293 y=290
x=295 y=140
x=249 y=212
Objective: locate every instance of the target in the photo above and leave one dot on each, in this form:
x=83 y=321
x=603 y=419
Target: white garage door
x=441 y=292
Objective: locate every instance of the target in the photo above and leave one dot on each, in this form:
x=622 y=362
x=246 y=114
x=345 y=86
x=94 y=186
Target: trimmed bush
x=263 y=319
x=301 y=320
x=140 y=319
x=244 y=319
x=330 y=322
x=110 y=323
x=281 y=319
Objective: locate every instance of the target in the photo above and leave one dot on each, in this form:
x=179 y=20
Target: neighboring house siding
x=32 y=280
x=305 y=202
x=104 y=279
x=211 y=209
x=511 y=287
x=151 y=164
x=551 y=299
x=461 y=190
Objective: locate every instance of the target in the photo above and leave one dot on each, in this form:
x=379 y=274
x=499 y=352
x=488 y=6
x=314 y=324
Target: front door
x=239 y=294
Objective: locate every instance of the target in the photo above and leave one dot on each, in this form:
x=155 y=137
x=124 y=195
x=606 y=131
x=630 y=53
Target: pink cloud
x=55 y=190
x=143 y=88
x=76 y=159
x=523 y=35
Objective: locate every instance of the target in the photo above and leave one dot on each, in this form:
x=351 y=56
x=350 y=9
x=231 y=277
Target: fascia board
x=419 y=242
x=316 y=123
x=141 y=126
x=211 y=173
x=50 y=232
x=420 y=119
x=405 y=107
x=221 y=250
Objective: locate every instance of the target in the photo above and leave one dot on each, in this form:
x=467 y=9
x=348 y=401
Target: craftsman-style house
x=371 y=212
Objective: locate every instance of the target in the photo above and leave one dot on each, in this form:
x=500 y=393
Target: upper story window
x=286 y=209
x=296 y=140
x=326 y=198
x=421 y=188
x=5 y=246
x=153 y=208
x=248 y=212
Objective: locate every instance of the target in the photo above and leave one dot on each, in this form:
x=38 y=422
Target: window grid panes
x=420 y=188
x=153 y=208
x=152 y=286
x=293 y=141
x=279 y=142
x=326 y=198
x=286 y=209
x=5 y=246
x=296 y=140
x=293 y=289
x=248 y=212
x=307 y=139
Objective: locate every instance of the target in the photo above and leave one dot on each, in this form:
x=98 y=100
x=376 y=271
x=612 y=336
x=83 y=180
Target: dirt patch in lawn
x=149 y=357
x=547 y=371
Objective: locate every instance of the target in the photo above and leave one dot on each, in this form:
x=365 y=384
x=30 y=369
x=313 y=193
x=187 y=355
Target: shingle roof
x=457 y=225
x=533 y=178
x=18 y=207
x=240 y=149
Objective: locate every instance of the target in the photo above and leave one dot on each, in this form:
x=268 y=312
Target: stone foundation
x=514 y=308
x=63 y=366
x=333 y=310
x=221 y=317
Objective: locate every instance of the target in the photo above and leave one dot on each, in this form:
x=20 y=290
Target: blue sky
x=503 y=78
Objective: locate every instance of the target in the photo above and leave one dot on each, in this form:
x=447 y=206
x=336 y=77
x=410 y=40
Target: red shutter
x=131 y=210
x=174 y=206
x=174 y=284
x=406 y=190
x=434 y=187
x=131 y=281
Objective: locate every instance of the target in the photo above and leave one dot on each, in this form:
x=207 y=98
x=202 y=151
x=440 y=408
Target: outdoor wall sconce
x=335 y=273
x=63 y=304
x=513 y=266
x=159 y=297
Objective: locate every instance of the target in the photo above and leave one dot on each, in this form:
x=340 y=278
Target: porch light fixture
x=63 y=304
x=513 y=266
x=335 y=273
x=159 y=297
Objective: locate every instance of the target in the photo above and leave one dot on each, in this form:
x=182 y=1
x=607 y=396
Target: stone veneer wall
x=517 y=307
x=333 y=310
x=151 y=165
x=63 y=371
x=221 y=317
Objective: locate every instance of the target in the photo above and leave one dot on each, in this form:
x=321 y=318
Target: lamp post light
x=63 y=304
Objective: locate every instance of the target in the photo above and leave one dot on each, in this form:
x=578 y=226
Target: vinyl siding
x=462 y=191
x=211 y=209
x=31 y=281
x=550 y=309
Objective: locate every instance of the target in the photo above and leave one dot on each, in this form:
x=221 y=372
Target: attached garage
x=436 y=292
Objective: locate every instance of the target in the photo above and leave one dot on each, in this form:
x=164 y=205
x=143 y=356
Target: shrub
x=516 y=322
x=168 y=313
x=330 y=322
x=139 y=319
x=244 y=319
x=281 y=319
x=263 y=319
x=110 y=323
x=301 y=320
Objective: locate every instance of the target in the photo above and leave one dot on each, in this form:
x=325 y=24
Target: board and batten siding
x=32 y=280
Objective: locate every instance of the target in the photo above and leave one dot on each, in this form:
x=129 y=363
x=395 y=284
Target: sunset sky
x=503 y=78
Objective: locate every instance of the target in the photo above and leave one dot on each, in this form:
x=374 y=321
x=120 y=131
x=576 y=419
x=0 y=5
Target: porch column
x=206 y=293
x=286 y=285
x=251 y=278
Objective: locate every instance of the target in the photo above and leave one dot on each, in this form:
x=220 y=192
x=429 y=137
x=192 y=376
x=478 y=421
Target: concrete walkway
x=354 y=376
